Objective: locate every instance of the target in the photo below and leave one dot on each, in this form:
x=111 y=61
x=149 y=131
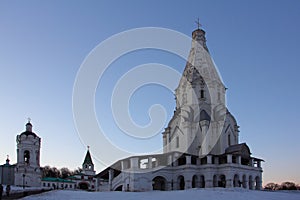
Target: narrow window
x=229 y=142
x=202 y=94
x=177 y=142
x=26 y=156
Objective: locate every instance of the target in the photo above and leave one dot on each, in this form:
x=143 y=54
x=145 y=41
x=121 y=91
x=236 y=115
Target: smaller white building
x=7 y=173
x=58 y=183
x=86 y=179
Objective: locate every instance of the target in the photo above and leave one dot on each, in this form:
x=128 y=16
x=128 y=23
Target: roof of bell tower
x=28 y=129
x=88 y=158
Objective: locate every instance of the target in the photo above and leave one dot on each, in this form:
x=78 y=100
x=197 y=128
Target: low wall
x=21 y=194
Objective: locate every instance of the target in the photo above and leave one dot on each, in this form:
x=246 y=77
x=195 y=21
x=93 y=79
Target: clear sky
x=255 y=45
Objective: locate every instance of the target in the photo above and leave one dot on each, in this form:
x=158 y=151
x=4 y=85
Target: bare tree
x=65 y=172
x=272 y=186
x=288 y=186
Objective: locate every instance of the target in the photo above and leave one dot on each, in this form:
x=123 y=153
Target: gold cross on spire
x=198 y=23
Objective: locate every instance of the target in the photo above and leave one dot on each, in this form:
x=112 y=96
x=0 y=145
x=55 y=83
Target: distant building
x=28 y=173
x=27 y=170
x=201 y=146
x=85 y=180
x=7 y=173
x=58 y=183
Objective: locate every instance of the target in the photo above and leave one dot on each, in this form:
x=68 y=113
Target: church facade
x=201 y=146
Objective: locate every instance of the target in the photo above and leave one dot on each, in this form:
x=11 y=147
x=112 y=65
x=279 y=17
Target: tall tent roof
x=88 y=158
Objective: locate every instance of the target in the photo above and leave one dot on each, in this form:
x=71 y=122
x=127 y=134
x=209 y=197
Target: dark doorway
x=222 y=181
x=83 y=186
x=181 y=183
x=159 y=183
x=195 y=181
x=120 y=188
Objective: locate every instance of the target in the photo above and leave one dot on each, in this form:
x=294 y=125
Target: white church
x=201 y=146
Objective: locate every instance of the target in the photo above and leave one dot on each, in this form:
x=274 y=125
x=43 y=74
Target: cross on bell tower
x=198 y=23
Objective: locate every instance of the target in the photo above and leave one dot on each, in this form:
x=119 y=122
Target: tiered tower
x=28 y=171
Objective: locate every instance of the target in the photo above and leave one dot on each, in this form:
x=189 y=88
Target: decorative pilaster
x=188 y=160
x=150 y=162
x=110 y=178
x=229 y=183
x=229 y=158
x=209 y=159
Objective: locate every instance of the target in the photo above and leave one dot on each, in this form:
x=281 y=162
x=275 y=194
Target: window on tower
x=229 y=142
x=177 y=142
x=202 y=94
x=26 y=156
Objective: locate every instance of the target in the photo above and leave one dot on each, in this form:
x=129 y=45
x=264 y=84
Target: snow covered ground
x=203 y=194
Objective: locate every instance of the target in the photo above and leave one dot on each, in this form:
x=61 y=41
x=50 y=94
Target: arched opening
x=83 y=186
x=250 y=183
x=215 y=181
x=236 y=181
x=26 y=156
x=257 y=184
x=159 y=183
x=202 y=182
x=181 y=183
x=244 y=181
x=119 y=188
x=222 y=181
x=195 y=181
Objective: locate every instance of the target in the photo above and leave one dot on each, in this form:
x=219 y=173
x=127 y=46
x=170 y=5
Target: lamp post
x=23 y=181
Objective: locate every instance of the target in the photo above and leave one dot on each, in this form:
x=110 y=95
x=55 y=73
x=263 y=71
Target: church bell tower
x=27 y=171
x=88 y=165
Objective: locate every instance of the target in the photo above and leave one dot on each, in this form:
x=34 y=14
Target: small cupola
x=7 y=160
x=28 y=126
x=198 y=36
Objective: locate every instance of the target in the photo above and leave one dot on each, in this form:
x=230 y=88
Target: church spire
x=88 y=157
x=88 y=165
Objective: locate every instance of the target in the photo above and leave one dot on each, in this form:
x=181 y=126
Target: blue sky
x=255 y=45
